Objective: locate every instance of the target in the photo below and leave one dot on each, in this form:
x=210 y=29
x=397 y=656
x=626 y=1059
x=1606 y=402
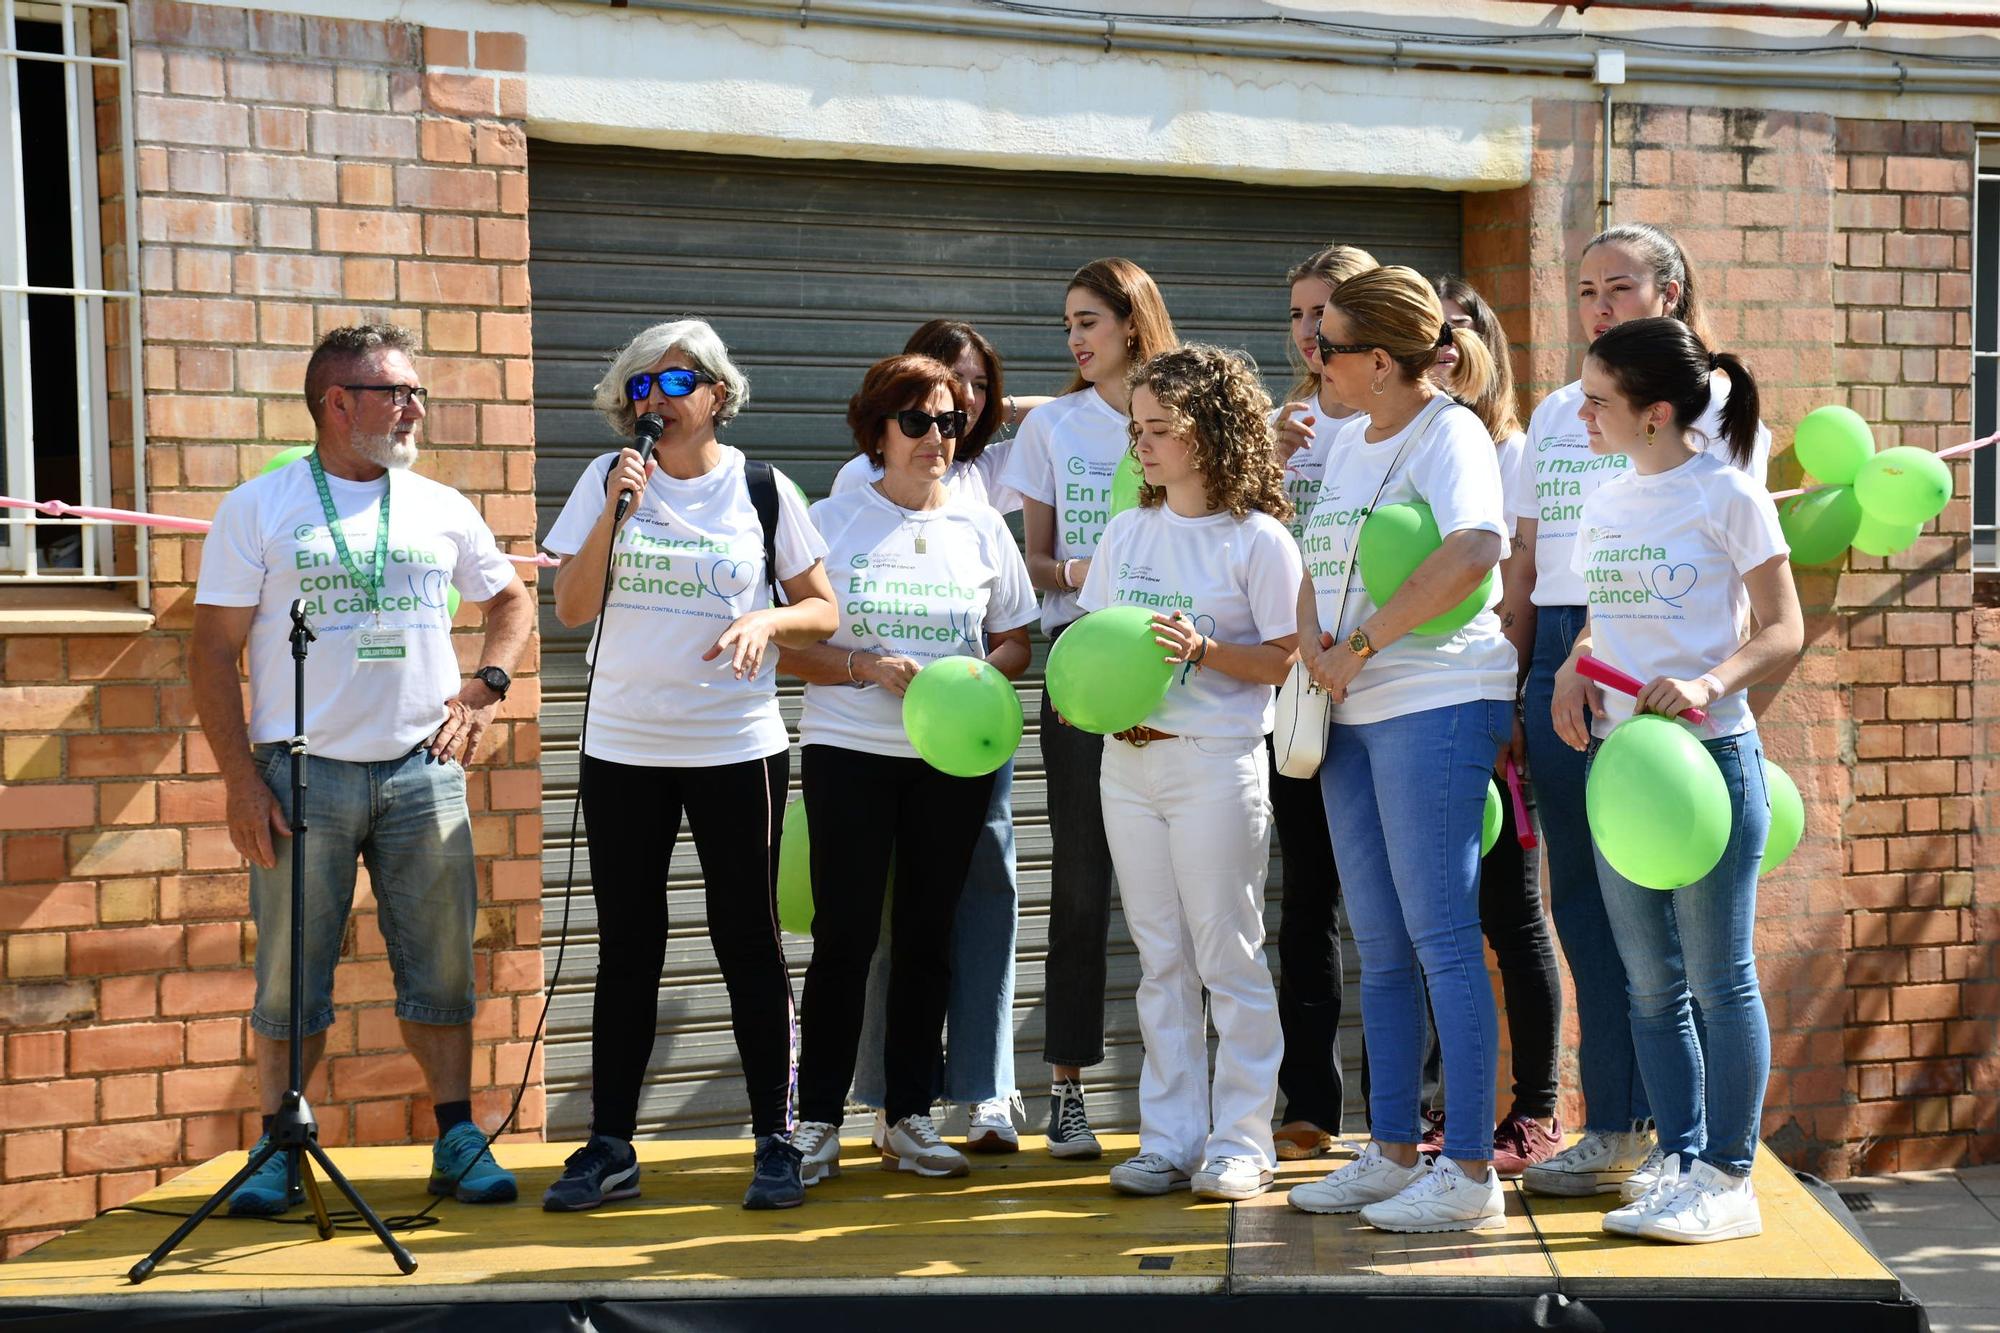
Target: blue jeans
x=1614 y=1095
x=979 y=1018
x=1696 y=944
x=1404 y=801
x=407 y=819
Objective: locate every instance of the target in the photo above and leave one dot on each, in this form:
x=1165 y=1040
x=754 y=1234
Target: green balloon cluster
x=963 y=716
x=1105 y=673
x=1876 y=503
x=1788 y=818
x=1394 y=540
x=1489 y=824
x=1657 y=804
x=1125 y=483
x=795 y=883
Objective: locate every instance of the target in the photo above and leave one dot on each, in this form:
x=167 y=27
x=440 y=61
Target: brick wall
x=1834 y=256
x=295 y=174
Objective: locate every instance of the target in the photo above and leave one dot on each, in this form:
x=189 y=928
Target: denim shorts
x=406 y=819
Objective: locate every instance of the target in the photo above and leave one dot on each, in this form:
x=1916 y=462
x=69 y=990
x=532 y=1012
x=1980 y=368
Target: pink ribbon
x=1953 y=452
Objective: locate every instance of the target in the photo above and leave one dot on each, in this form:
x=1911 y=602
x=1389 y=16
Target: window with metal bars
x=69 y=351
x=1986 y=353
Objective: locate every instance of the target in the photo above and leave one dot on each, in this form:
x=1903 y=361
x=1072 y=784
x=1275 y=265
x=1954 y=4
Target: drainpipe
x=1609 y=73
x=1864 y=12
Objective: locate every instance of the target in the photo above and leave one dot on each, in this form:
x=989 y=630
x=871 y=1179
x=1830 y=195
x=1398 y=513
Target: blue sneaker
x=600 y=1171
x=266 y=1193
x=775 y=1182
x=461 y=1155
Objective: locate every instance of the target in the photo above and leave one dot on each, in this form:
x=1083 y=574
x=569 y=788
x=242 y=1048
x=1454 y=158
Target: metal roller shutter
x=811 y=271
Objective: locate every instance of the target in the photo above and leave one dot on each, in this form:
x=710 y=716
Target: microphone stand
x=294 y=1132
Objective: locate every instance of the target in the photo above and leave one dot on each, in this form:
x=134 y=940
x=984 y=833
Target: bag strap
x=762 y=481
x=1410 y=440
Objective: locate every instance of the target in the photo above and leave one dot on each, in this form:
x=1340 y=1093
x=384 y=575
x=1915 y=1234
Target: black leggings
x=1309 y=969
x=860 y=809
x=632 y=815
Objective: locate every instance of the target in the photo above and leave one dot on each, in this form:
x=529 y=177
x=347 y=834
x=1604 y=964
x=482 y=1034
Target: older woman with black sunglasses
x=684 y=718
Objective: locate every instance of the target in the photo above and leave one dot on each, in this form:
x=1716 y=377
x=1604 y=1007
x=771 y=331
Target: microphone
x=646 y=435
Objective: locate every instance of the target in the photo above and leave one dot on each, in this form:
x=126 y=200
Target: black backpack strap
x=762 y=480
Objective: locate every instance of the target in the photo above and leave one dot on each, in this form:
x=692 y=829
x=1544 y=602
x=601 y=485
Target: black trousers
x=1079 y=895
x=1309 y=969
x=861 y=808
x=632 y=817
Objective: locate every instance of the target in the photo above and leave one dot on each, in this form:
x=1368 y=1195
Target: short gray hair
x=687 y=335
x=342 y=350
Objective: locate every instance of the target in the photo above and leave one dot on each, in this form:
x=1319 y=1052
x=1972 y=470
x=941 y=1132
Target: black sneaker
x=775 y=1183
x=600 y=1171
x=1069 y=1126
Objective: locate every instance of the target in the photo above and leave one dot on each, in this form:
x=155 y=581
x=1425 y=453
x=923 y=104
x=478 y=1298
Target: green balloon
x=963 y=716
x=284 y=457
x=1832 y=443
x=1788 y=818
x=795 y=885
x=1874 y=537
x=1395 y=539
x=1489 y=825
x=1905 y=485
x=1125 y=483
x=1820 y=525
x=1657 y=804
x=451 y=601
x=1105 y=673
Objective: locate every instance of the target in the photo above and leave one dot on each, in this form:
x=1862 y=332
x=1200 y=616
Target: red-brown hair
x=891 y=385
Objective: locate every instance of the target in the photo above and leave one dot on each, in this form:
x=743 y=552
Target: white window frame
x=19 y=557
x=1985 y=298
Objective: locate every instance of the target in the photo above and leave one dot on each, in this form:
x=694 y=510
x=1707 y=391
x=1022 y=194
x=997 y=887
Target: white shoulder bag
x=1304 y=712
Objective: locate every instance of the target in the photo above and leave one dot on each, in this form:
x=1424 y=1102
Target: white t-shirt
x=977 y=482
x=1453 y=467
x=270 y=546
x=1065 y=457
x=688 y=560
x=1510 y=451
x=1303 y=468
x=1557 y=472
x=1236 y=578
x=921 y=584
x=1663 y=558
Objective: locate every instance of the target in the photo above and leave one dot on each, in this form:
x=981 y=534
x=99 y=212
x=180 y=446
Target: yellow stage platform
x=1018 y=1224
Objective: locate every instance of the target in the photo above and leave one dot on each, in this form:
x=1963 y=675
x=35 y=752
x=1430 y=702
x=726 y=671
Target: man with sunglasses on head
x=372 y=549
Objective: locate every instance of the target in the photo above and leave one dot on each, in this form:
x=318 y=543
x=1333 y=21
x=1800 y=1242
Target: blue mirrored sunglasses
x=675 y=383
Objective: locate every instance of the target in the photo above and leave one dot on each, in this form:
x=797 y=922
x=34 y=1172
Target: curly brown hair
x=1218 y=404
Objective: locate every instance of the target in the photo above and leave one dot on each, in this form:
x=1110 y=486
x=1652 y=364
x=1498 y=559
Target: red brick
x=497 y=145
x=122 y=1147
x=41 y=1203
x=280 y=81
x=297 y=179
x=503 y=238
x=364 y=1076
x=1926 y=1002
x=44 y=805
x=175 y=319
x=179 y=120
x=33 y=1154
x=373 y=233
x=501 y=51
x=356 y=134
x=33 y=1105
x=192 y=417
x=448 y=284
x=454 y=189
x=128 y=1096
x=445 y=140
x=448 y=237
x=183 y=1091
x=215 y=1041
x=287 y=275
x=135 y=949
x=447 y=46
x=473 y=96
x=124 y=755
x=37 y=1055
x=355 y=40
x=185 y=993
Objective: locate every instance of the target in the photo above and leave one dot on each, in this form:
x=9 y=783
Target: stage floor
x=1018 y=1224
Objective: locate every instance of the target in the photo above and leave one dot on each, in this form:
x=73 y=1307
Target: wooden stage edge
x=1018 y=1225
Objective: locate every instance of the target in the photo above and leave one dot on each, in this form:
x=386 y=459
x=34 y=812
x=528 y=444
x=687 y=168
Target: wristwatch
x=495 y=679
x=1357 y=643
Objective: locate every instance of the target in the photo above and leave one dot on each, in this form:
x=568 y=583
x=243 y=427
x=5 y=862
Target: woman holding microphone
x=683 y=719
x=921 y=576
x=1063 y=463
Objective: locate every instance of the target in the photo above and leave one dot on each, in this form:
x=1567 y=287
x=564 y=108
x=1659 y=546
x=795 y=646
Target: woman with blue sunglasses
x=683 y=718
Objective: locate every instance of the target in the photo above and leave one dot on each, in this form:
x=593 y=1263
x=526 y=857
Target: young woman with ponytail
x=1633 y=271
x=1680 y=553
x=1418 y=720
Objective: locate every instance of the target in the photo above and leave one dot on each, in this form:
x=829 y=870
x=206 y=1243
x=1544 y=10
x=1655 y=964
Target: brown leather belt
x=1142 y=735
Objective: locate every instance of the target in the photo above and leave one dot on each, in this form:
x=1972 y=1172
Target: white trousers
x=1189 y=825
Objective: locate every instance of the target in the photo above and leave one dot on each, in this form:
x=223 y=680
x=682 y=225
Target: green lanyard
x=369 y=581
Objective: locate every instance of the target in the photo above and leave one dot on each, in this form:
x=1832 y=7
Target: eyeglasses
x=917 y=424
x=1327 y=349
x=675 y=383
x=399 y=394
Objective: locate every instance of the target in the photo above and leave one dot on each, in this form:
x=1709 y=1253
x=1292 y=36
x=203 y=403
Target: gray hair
x=690 y=336
x=342 y=351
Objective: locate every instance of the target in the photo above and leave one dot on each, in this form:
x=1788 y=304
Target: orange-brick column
x=295 y=174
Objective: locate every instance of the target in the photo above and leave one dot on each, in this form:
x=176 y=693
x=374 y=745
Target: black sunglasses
x=917 y=424
x=675 y=383
x=399 y=394
x=1327 y=349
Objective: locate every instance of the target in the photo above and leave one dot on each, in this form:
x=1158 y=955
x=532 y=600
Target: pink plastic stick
x=1605 y=674
x=1524 y=830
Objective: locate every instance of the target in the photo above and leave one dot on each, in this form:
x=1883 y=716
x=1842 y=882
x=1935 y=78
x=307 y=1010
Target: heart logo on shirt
x=728 y=579
x=433 y=592
x=1671 y=583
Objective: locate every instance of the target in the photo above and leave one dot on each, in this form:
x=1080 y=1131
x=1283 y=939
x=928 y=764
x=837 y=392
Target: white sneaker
x=1625 y=1221
x=989 y=1125
x=1640 y=1182
x=914 y=1145
x=1709 y=1205
x=1369 y=1178
x=1594 y=1164
x=1232 y=1178
x=1148 y=1173
x=819 y=1148
x=1069 y=1125
x=1446 y=1199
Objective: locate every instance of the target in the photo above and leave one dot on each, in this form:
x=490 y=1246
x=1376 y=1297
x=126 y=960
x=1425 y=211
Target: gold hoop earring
x=1380 y=386
x=1650 y=428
